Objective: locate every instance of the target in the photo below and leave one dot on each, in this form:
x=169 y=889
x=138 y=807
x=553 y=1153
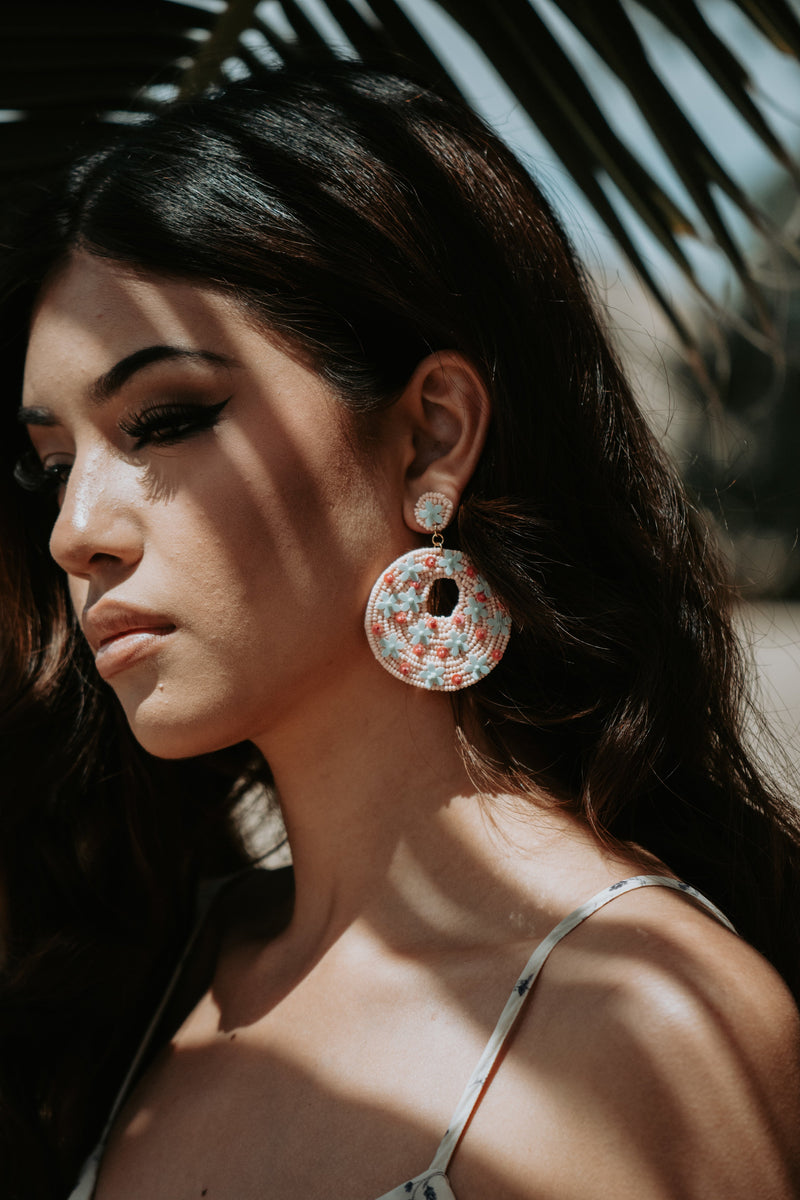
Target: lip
x=122 y=634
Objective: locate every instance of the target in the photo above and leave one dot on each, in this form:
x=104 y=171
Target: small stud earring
x=429 y=650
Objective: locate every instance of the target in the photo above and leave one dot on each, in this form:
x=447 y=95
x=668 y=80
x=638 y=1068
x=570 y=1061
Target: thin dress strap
x=474 y=1089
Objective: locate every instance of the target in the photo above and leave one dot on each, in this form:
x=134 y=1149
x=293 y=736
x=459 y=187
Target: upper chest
x=345 y=1085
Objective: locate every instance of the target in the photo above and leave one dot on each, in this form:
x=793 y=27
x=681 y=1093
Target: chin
x=172 y=729
x=175 y=742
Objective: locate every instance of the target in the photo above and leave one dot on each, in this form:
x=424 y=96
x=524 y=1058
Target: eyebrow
x=108 y=384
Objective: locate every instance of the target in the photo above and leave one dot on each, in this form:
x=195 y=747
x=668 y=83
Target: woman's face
x=219 y=527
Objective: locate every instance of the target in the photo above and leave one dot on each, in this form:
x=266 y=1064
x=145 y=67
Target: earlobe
x=448 y=405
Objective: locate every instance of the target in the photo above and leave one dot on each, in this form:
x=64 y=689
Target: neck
x=386 y=830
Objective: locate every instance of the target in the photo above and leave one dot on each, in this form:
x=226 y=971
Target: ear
x=447 y=408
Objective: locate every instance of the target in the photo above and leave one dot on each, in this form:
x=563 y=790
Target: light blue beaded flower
x=452 y=562
x=498 y=623
x=408 y=601
x=409 y=573
x=431 y=514
x=419 y=635
x=387 y=605
x=433 y=674
x=479 y=665
x=476 y=608
x=456 y=642
x=390 y=646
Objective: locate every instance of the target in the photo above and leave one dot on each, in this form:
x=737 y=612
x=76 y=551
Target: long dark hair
x=369 y=222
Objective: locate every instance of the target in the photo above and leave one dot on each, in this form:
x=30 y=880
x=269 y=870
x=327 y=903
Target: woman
x=273 y=340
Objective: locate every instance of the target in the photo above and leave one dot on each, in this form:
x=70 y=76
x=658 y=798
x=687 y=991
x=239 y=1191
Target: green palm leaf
x=69 y=68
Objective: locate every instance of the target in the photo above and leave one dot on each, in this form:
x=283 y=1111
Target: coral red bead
x=480 y=634
x=458 y=680
x=430 y=561
x=376 y=629
x=471 y=572
x=497 y=655
x=389 y=577
x=401 y=618
x=442 y=652
x=404 y=668
x=419 y=651
x=432 y=623
x=481 y=596
x=458 y=622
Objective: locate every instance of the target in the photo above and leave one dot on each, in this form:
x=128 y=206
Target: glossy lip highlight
x=122 y=634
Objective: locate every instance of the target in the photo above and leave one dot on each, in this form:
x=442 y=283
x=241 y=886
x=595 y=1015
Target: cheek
x=296 y=521
x=266 y=558
x=273 y=616
x=273 y=572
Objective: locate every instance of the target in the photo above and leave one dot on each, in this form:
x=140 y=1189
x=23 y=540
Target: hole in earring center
x=442 y=597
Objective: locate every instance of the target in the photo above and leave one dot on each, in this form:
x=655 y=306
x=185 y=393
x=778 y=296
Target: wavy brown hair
x=369 y=223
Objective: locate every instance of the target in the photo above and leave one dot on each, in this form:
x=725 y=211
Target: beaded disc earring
x=426 y=649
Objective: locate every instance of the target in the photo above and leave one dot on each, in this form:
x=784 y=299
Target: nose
x=97 y=525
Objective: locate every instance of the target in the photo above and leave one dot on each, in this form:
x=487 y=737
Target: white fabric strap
x=522 y=988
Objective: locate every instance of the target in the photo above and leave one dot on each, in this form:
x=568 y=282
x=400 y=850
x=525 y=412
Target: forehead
x=93 y=312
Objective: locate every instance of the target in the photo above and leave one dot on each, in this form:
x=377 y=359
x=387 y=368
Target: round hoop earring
x=443 y=653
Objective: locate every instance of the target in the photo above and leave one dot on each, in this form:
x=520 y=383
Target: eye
x=168 y=424
x=35 y=476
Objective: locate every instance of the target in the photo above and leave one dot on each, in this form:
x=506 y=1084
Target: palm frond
x=222 y=44
x=777 y=21
x=616 y=40
x=70 y=67
x=686 y=22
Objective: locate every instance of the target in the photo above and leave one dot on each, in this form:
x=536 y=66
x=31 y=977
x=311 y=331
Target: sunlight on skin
x=617 y=1031
x=279 y=478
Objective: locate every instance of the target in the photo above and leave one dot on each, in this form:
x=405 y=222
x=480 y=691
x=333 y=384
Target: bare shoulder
x=660 y=1056
x=659 y=960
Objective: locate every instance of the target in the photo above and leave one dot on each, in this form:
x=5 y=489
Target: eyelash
x=152 y=426
x=33 y=477
x=164 y=425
